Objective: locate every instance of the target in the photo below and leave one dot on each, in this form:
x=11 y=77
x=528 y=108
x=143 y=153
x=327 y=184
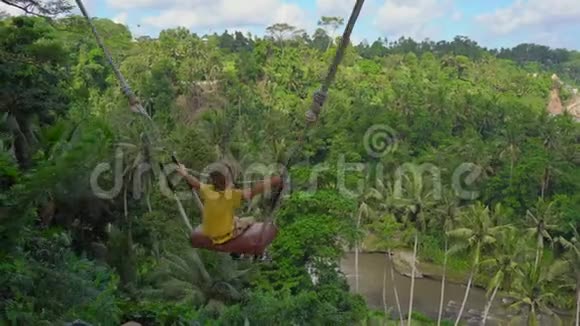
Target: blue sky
x=492 y=23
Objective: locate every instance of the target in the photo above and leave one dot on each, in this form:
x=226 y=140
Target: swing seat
x=253 y=241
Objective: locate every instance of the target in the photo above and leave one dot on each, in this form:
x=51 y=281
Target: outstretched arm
x=274 y=183
x=191 y=181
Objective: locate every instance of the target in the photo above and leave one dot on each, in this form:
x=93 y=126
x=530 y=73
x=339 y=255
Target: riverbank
x=429 y=266
x=426 y=267
x=374 y=282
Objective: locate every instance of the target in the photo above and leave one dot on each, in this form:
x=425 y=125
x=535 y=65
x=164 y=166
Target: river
x=427 y=292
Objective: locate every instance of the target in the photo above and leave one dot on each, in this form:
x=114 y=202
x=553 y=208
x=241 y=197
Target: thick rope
x=182 y=212
x=318 y=100
x=196 y=198
x=320 y=96
x=133 y=101
x=136 y=107
x=183 y=215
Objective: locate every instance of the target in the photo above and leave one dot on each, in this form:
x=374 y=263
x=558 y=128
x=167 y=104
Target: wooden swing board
x=253 y=241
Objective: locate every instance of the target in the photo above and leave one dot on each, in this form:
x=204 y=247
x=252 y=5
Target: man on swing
x=221 y=199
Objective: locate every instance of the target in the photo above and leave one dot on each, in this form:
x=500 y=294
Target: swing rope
x=182 y=212
x=134 y=103
x=125 y=88
x=320 y=96
x=312 y=114
x=318 y=99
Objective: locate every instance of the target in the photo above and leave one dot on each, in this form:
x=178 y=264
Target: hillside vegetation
x=451 y=141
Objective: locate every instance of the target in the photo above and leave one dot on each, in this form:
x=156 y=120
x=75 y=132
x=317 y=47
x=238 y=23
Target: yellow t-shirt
x=218 y=212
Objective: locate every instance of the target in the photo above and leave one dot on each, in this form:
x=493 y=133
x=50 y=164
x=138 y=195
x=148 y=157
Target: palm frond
x=460 y=233
x=458 y=247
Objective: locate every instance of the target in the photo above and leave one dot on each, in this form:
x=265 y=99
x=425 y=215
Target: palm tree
x=219 y=125
x=549 y=133
x=388 y=227
x=504 y=263
x=512 y=152
x=509 y=143
x=469 y=149
x=395 y=292
x=186 y=278
x=139 y=149
x=410 y=194
x=363 y=211
x=138 y=174
x=442 y=296
x=530 y=294
x=412 y=290
x=542 y=220
x=571 y=263
x=384 y=292
x=477 y=231
x=448 y=210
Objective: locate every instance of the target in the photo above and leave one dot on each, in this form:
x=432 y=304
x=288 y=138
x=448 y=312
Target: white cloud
x=340 y=8
x=532 y=14
x=140 y=4
x=291 y=14
x=412 y=18
x=121 y=18
x=457 y=15
x=356 y=39
x=225 y=13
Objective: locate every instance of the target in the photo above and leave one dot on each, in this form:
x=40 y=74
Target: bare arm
x=260 y=187
x=191 y=181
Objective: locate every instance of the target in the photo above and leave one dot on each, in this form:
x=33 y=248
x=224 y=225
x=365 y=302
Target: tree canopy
x=415 y=138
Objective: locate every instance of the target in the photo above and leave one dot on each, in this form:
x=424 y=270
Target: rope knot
x=318 y=99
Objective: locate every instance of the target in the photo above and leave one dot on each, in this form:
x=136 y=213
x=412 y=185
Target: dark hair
x=218 y=174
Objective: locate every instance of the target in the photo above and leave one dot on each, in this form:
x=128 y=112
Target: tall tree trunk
x=545 y=182
x=442 y=297
x=356 y=268
x=489 y=303
x=395 y=287
x=148 y=202
x=539 y=249
x=532 y=320
x=577 y=322
x=511 y=170
x=356 y=250
x=385 y=291
x=465 y=297
x=471 y=275
x=128 y=264
x=413 y=269
x=21 y=145
x=331 y=40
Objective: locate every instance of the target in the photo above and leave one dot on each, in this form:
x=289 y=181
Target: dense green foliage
x=68 y=252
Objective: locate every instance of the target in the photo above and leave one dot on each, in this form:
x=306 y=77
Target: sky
x=492 y=23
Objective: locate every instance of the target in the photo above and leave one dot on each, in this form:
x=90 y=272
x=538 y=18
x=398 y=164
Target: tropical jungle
x=447 y=153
